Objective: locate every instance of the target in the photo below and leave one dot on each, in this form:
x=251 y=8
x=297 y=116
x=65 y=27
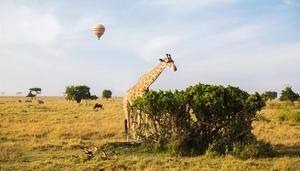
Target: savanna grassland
x=55 y=136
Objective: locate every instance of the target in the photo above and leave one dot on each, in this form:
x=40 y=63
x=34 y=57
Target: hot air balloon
x=98 y=29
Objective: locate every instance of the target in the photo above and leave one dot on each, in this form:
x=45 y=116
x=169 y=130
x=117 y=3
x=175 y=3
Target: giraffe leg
x=134 y=123
x=137 y=123
x=141 y=122
x=147 y=126
x=126 y=107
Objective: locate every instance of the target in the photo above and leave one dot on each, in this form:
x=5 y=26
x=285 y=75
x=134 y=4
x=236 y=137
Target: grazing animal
x=28 y=101
x=139 y=89
x=98 y=105
x=20 y=101
x=40 y=102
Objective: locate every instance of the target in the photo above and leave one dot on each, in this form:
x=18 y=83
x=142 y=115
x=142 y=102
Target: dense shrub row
x=200 y=119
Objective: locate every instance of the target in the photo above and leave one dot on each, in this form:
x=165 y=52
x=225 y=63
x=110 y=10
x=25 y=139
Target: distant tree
x=288 y=94
x=269 y=95
x=37 y=90
x=34 y=91
x=70 y=92
x=19 y=93
x=79 y=93
x=106 y=94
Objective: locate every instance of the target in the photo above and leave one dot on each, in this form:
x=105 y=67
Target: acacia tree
x=288 y=94
x=79 y=93
x=34 y=91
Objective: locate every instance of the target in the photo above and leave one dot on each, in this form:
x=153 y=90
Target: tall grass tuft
x=288 y=115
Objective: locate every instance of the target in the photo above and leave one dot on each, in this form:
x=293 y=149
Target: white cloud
x=242 y=33
x=188 y=4
x=30 y=52
x=287 y=2
x=253 y=68
x=216 y=43
x=24 y=25
x=155 y=47
x=291 y=2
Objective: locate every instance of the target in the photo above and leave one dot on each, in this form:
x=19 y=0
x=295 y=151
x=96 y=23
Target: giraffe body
x=139 y=89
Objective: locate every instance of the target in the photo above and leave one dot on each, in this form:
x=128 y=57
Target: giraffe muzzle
x=174 y=68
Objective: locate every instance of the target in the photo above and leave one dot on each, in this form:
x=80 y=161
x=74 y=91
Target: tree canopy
x=79 y=93
x=269 y=95
x=288 y=94
x=34 y=91
x=106 y=94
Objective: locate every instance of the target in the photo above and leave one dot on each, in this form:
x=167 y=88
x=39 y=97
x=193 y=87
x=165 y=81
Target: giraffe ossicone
x=139 y=89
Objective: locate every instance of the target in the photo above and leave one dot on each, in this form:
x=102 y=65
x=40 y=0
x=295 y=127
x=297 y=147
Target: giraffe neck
x=149 y=78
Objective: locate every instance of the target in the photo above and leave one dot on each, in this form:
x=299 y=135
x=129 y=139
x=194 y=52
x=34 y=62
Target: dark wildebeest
x=98 y=105
x=40 y=102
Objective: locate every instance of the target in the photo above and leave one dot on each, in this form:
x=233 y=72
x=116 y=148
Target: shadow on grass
x=137 y=148
x=290 y=151
x=122 y=148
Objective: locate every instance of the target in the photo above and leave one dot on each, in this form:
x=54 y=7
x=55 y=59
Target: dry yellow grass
x=52 y=136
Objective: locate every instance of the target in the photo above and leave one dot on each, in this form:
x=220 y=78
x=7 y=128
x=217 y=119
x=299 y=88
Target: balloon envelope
x=98 y=29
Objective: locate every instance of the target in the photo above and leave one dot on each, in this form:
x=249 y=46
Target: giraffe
x=139 y=89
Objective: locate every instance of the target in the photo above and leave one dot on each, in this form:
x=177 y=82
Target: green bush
x=200 y=118
x=214 y=149
x=167 y=113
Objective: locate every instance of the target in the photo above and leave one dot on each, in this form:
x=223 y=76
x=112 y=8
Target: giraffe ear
x=161 y=60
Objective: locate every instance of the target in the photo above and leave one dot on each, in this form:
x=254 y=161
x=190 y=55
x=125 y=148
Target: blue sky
x=252 y=44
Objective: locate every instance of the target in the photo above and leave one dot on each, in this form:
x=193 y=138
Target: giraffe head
x=168 y=62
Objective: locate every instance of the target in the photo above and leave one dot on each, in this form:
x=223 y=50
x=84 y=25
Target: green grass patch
x=288 y=115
